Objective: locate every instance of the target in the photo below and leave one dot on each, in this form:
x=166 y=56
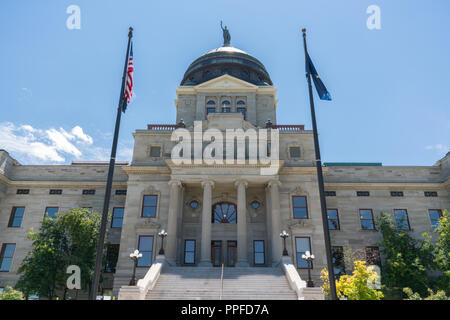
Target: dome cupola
x=226 y=60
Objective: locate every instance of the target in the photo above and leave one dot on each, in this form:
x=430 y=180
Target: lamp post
x=135 y=256
x=284 y=235
x=308 y=257
x=162 y=234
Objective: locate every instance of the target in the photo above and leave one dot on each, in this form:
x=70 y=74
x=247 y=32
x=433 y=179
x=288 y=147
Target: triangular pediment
x=226 y=82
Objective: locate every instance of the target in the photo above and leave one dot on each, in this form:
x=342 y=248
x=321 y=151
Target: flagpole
x=323 y=204
x=112 y=161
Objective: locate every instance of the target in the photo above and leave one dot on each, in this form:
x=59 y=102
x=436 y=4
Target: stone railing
x=289 y=127
x=297 y=284
x=281 y=127
x=140 y=290
x=162 y=127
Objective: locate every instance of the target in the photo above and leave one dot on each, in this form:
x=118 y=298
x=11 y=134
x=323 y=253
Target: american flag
x=129 y=81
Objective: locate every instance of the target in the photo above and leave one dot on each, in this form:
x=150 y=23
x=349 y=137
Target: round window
x=255 y=204
x=194 y=204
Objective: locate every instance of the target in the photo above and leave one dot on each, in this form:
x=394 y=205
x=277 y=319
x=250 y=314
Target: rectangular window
x=149 y=206
x=88 y=191
x=121 y=192
x=6 y=256
x=300 y=207
x=435 y=215
x=302 y=244
x=401 y=219
x=330 y=193
x=333 y=219
x=367 y=221
x=294 y=152
x=189 y=251
x=243 y=111
x=15 y=221
x=210 y=110
x=430 y=194
x=155 y=151
x=50 y=212
x=337 y=255
x=373 y=256
x=23 y=191
x=362 y=193
x=112 y=255
x=146 y=248
x=258 y=252
x=226 y=109
x=55 y=191
x=396 y=193
x=117 y=218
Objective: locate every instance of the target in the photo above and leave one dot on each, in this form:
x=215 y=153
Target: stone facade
x=176 y=187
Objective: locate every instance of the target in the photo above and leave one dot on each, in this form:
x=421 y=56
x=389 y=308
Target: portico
x=222 y=220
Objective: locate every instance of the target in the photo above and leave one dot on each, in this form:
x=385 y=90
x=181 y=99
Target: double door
x=217 y=254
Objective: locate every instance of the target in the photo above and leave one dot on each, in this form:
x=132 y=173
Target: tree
x=11 y=294
x=356 y=286
x=442 y=251
x=68 y=239
x=439 y=295
x=407 y=260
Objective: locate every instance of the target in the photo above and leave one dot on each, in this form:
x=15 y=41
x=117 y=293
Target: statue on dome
x=226 y=35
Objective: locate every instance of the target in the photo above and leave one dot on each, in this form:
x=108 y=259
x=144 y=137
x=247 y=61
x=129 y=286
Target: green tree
x=68 y=239
x=407 y=260
x=442 y=251
x=11 y=294
x=356 y=286
x=439 y=295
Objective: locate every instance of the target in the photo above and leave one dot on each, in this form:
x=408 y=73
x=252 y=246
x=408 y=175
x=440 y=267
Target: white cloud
x=36 y=145
x=19 y=140
x=77 y=131
x=61 y=142
x=437 y=147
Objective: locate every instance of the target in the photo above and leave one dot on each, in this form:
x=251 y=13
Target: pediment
x=226 y=82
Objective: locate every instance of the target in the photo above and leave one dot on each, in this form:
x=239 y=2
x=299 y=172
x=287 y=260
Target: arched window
x=210 y=107
x=226 y=106
x=241 y=108
x=224 y=212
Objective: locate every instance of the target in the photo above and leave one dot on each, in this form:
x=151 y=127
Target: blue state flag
x=320 y=87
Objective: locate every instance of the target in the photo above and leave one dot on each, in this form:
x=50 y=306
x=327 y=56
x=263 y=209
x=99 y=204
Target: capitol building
x=223 y=219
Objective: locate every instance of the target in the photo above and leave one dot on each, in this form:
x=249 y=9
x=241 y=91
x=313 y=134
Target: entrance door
x=231 y=253
x=216 y=253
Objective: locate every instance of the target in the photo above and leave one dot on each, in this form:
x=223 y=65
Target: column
x=242 y=258
x=275 y=214
x=205 y=255
x=171 y=244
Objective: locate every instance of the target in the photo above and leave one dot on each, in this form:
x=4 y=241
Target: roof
x=352 y=164
x=99 y=163
x=226 y=60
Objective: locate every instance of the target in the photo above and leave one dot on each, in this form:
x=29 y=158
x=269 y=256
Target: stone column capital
x=273 y=183
x=175 y=182
x=208 y=182
x=241 y=182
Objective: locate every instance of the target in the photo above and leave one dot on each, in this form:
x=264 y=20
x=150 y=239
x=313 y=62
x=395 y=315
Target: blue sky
x=390 y=86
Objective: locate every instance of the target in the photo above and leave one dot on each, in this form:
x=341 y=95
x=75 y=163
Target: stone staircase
x=204 y=283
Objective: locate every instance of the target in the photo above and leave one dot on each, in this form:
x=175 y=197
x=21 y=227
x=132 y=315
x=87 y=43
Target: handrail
x=221 y=284
x=161 y=127
x=289 y=127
